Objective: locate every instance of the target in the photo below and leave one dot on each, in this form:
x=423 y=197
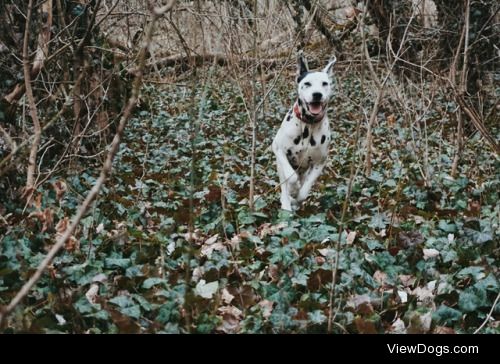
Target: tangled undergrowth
x=419 y=252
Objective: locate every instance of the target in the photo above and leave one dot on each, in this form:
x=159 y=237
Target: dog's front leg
x=289 y=180
x=310 y=177
x=288 y=191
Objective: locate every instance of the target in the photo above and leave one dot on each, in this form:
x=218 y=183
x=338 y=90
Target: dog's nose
x=317 y=96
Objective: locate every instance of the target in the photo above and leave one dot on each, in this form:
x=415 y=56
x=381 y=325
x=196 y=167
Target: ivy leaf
x=260 y=203
x=489 y=283
x=160 y=204
x=378 y=221
x=206 y=290
x=122 y=301
x=475 y=272
x=446 y=227
x=246 y=218
x=316 y=317
x=134 y=271
x=117 y=262
x=132 y=311
x=376 y=176
x=445 y=315
x=84 y=306
x=300 y=279
x=478 y=237
x=449 y=256
x=471 y=299
x=150 y=282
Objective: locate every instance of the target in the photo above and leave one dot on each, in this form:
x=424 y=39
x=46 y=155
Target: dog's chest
x=307 y=145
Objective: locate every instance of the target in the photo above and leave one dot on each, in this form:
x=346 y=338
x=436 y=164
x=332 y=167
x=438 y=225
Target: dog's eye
x=307 y=84
x=325 y=84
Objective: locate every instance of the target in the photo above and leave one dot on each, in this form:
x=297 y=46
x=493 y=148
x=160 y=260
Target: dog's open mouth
x=315 y=107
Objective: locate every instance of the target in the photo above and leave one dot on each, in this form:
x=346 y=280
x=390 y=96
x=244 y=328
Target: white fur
x=312 y=83
x=300 y=161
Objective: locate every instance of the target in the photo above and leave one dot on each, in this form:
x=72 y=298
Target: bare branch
x=94 y=192
x=30 y=176
x=489 y=314
x=41 y=52
x=5 y=162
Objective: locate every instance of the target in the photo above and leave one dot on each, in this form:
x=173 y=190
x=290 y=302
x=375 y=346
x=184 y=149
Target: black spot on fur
x=293 y=162
x=323 y=138
x=288 y=117
x=297 y=140
x=289 y=152
x=313 y=142
x=305 y=134
x=302 y=76
x=300 y=102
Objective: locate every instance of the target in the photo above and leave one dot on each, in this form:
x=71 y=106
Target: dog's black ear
x=302 y=67
x=329 y=66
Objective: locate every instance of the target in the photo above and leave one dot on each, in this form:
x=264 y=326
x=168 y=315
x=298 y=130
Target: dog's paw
x=295 y=204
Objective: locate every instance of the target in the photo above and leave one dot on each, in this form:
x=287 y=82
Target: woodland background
x=138 y=191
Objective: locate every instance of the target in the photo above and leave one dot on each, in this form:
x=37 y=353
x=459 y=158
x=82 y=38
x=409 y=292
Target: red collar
x=308 y=119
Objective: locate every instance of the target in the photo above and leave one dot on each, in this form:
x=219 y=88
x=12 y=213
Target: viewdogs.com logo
x=437 y=350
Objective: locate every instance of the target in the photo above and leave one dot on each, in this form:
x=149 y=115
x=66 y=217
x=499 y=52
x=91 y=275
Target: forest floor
x=416 y=254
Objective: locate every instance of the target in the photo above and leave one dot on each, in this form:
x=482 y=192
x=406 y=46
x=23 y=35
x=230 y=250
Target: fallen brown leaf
x=267 y=308
x=60 y=188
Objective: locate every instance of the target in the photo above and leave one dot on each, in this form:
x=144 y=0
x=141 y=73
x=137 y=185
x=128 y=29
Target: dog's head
x=314 y=88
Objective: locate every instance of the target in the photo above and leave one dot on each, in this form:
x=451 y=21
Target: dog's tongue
x=315 y=108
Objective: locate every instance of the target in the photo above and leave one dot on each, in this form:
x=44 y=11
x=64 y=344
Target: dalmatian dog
x=301 y=143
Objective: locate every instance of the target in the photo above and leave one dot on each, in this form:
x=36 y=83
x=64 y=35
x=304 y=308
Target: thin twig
x=106 y=169
x=462 y=87
x=489 y=314
x=254 y=112
x=335 y=265
x=30 y=174
x=25 y=143
x=381 y=86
